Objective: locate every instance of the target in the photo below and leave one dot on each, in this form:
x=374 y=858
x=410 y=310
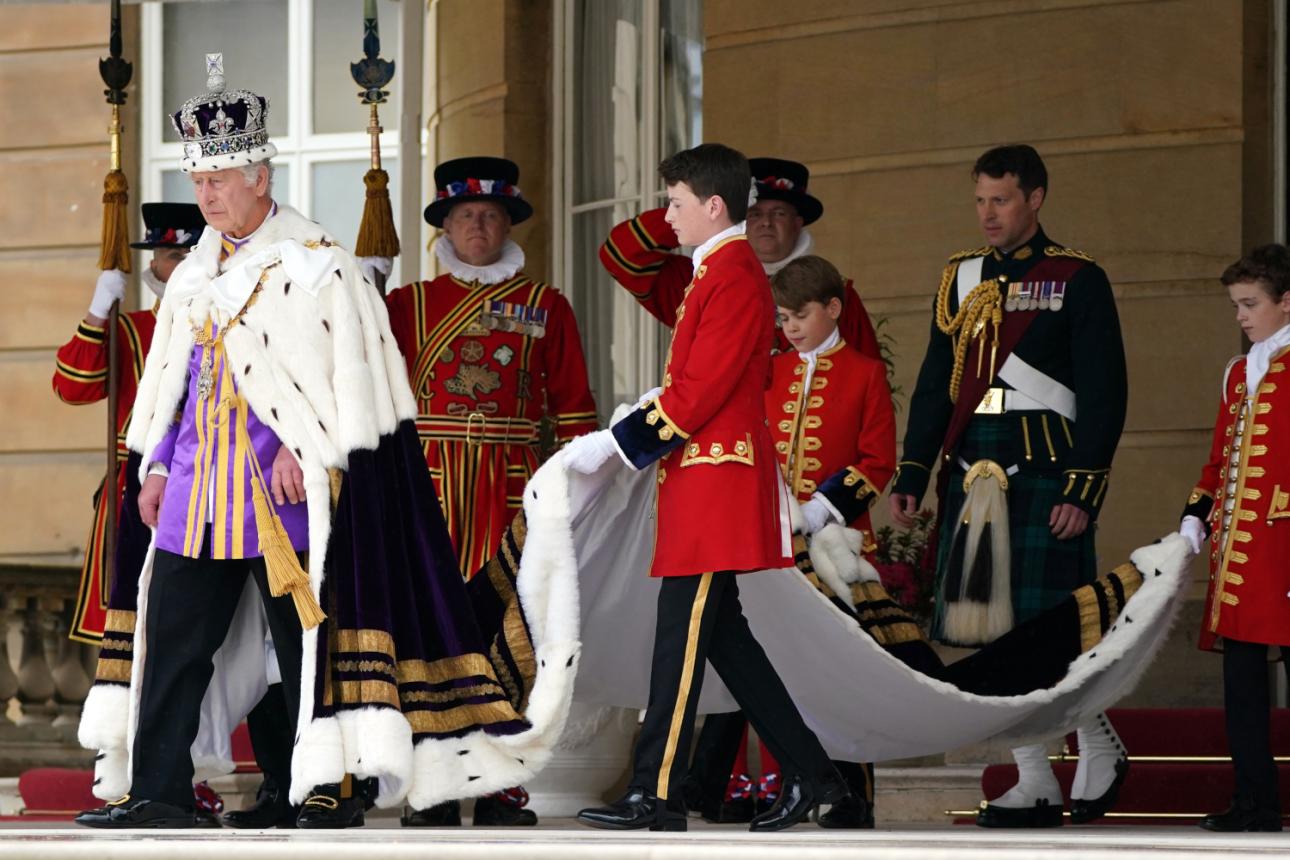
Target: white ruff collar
x=1256 y=363
x=805 y=243
x=512 y=260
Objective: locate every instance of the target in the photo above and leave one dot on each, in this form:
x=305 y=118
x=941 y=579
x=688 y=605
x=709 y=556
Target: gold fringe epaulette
x=965 y=255
x=1058 y=251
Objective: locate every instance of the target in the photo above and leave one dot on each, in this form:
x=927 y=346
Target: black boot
x=798 y=798
x=638 y=809
x=1084 y=811
x=1042 y=814
x=851 y=813
x=495 y=810
x=1243 y=818
x=327 y=810
x=270 y=809
x=446 y=814
x=128 y=813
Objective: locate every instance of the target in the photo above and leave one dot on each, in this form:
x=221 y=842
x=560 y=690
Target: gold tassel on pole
x=377 y=236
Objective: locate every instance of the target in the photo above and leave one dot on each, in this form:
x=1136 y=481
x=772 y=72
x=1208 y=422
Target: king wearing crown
x=288 y=498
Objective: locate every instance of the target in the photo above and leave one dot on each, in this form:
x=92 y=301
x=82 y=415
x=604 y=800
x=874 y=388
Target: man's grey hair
x=251 y=172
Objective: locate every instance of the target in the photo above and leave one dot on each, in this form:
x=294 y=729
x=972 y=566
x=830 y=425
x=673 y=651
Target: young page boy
x=834 y=430
x=721 y=508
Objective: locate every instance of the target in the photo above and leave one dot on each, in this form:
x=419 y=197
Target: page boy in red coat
x=722 y=509
x=1240 y=512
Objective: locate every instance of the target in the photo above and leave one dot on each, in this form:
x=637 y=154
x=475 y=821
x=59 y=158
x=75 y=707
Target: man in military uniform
x=638 y=252
x=81 y=377
x=491 y=354
x=1021 y=399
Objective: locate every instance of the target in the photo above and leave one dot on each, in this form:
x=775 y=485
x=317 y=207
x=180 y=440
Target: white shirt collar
x=702 y=251
x=1260 y=357
x=511 y=261
x=803 y=246
x=825 y=345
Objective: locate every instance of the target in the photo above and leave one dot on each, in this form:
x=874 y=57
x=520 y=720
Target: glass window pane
x=606 y=103
x=681 y=100
x=338 y=196
x=337 y=42
x=622 y=341
x=255 y=53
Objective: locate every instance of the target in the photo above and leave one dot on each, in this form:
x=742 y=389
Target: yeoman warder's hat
x=780 y=179
x=462 y=180
x=170 y=225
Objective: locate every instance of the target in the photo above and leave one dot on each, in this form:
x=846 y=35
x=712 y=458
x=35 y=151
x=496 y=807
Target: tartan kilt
x=1045 y=570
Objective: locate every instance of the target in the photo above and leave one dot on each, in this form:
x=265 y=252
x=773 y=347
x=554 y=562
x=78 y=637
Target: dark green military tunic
x=1074 y=340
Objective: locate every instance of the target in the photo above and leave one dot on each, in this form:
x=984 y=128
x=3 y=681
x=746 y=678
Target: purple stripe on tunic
x=184 y=516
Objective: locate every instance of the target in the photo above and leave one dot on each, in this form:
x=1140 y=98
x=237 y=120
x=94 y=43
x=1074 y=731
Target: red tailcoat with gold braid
x=1244 y=496
x=638 y=253
x=838 y=438
x=482 y=392
x=721 y=505
x=80 y=377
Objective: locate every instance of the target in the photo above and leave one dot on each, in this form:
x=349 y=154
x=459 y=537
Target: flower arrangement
x=906 y=561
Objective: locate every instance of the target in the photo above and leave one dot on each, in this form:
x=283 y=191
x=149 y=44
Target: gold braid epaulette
x=1058 y=251
x=981 y=306
x=975 y=252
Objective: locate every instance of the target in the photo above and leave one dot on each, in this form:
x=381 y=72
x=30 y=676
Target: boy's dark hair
x=1269 y=265
x=1019 y=159
x=807 y=279
x=712 y=169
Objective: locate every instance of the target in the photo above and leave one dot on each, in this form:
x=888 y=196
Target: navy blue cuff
x=645 y=436
x=850 y=492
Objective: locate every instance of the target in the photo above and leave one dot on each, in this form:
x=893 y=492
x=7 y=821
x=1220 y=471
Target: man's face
x=228 y=203
x=1257 y=312
x=773 y=229
x=164 y=261
x=478 y=230
x=1008 y=217
x=693 y=219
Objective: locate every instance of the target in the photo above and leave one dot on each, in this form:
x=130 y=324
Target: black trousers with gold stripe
x=191 y=603
x=700 y=621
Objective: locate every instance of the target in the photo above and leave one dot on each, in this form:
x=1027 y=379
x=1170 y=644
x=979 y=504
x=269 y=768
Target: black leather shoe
x=270 y=809
x=850 y=813
x=798 y=798
x=327 y=810
x=1242 y=819
x=638 y=809
x=127 y=813
x=1042 y=814
x=494 y=812
x=446 y=814
x=739 y=811
x=1084 y=811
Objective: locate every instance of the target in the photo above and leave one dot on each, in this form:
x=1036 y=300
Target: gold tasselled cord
x=982 y=306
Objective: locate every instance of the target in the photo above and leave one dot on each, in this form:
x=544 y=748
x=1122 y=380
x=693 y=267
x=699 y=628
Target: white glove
x=110 y=288
x=588 y=453
x=372 y=265
x=1194 y=531
x=648 y=396
x=816 y=514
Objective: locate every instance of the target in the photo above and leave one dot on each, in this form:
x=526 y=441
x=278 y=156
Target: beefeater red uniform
x=721 y=505
x=487 y=364
x=638 y=254
x=80 y=378
x=1244 y=496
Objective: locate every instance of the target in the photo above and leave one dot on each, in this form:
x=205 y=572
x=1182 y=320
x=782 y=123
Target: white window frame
x=643 y=360
x=300 y=149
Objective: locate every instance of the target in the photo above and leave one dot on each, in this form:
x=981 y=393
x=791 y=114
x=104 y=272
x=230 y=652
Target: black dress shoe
x=729 y=811
x=128 y=813
x=1243 y=819
x=327 y=810
x=205 y=818
x=492 y=811
x=1084 y=811
x=798 y=798
x=638 y=809
x=270 y=809
x=1042 y=814
x=446 y=814
x=850 y=813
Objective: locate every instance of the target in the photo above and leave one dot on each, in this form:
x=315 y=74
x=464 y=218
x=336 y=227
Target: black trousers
x=272 y=729
x=191 y=603
x=1247 y=703
x=700 y=621
x=718 y=746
